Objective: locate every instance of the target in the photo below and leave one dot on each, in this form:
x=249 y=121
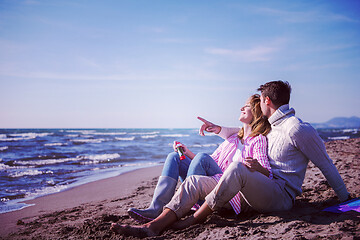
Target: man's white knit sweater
x=291 y=144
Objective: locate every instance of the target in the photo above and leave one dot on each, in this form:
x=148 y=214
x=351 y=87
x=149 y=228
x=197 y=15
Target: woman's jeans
x=202 y=164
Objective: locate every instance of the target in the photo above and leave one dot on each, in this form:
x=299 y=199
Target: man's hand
x=254 y=165
x=208 y=127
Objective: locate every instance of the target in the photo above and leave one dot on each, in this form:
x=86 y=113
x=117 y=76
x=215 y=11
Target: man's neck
x=271 y=112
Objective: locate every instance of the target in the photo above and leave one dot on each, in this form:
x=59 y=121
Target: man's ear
x=267 y=100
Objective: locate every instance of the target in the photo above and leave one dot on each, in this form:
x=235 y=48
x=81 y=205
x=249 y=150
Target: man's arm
x=308 y=141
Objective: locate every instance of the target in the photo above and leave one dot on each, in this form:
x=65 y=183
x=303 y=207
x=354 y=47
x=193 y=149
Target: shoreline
x=79 y=182
x=95 y=191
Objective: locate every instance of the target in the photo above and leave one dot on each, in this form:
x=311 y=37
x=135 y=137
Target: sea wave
x=339 y=138
x=81 y=159
x=144 y=133
x=125 y=139
x=175 y=135
x=16 y=139
x=30 y=135
x=42 y=162
x=45 y=191
x=83 y=141
x=149 y=136
x=204 y=145
x=72 y=135
x=81 y=131
x=109 y=133
x=101 y=157
x=3 y=148
x=22 y=136
x=354 y=130
x=54 y=144
x=28 y=173
x=6 y=167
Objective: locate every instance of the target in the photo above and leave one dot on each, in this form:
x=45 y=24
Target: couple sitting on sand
x=247 y=171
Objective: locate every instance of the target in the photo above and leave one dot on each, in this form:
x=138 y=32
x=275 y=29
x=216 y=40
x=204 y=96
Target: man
x=291 y=144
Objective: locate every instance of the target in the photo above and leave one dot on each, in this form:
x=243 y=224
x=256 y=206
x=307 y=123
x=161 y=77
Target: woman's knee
x=173 y=156
x=201 y=157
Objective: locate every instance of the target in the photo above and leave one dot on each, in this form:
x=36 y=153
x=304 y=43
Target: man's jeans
x=259 y=192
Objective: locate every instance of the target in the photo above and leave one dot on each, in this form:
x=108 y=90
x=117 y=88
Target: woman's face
x=246 y=115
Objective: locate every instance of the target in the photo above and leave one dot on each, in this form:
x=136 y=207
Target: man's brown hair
x=277 y=91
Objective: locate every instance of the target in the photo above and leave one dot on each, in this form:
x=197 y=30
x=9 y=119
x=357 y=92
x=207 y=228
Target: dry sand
x=85 y=212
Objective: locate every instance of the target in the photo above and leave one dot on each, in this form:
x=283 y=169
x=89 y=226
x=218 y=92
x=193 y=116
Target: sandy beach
x=86 y=212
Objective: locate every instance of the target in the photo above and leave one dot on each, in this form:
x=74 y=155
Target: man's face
x=263 y=106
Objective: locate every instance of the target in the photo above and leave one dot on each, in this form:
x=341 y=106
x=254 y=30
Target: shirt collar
x=280 y=114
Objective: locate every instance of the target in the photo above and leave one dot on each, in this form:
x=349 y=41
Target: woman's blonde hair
x=259 y=124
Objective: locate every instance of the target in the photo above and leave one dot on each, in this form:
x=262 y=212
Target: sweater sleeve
x=308 y=141
x=226 y=132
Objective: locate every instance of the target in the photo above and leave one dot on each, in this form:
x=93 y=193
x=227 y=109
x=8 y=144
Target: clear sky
x=143 y=64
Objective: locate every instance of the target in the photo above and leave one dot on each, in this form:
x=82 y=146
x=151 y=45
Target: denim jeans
x=202 y=164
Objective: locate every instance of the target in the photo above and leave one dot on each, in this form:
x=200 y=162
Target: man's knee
x=196 y=181
x=191 y=180
x=237 y=166
x=237 y=169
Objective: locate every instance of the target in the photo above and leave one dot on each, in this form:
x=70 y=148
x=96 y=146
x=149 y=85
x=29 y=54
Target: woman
x=248 y=146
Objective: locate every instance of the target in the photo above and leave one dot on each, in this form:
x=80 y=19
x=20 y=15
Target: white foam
x=339 y=138
x=144 y=133
x=175 y=135
x=5 y=167
x=45 y=191
x=15 y=139
x=109 y=133
x=102 y=157
x=81 y=131
x=29 y=173
x=204 y=145
x=125 y=139
x=45 y=161
x=3 y=148
x=54 y=144
x=88 y=140
x=30 y=135
x=354 y=130
x=23 y=136
x=4 y=199
x=98 y=158
x=149 y=136
x=72 y=135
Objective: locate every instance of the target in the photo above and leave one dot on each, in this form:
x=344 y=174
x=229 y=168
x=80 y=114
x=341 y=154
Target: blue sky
x=158 y=64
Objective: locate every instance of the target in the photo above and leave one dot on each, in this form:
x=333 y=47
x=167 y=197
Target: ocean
x=37 y=162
